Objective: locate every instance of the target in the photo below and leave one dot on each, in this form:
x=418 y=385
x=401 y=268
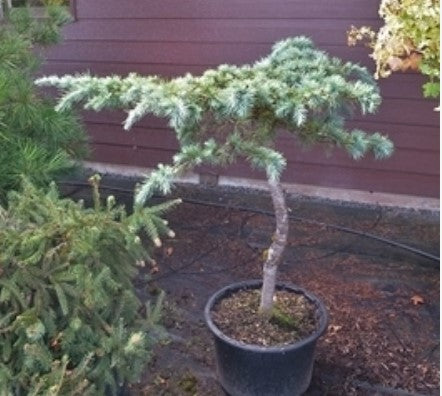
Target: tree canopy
x=236 y=111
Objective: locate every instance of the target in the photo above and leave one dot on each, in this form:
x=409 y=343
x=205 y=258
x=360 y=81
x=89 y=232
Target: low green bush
x=70 y=319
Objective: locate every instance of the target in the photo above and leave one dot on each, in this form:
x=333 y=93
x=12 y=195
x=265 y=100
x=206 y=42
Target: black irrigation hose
x=322 y=224
x=385 y=390
x=271 y=214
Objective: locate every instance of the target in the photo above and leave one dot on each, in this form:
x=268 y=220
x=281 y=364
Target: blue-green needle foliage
x=232 y=111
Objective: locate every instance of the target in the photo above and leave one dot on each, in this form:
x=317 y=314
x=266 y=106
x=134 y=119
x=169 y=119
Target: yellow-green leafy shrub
x=408 y=40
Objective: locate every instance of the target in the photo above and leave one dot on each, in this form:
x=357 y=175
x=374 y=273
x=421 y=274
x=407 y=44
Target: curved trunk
x=277 y=247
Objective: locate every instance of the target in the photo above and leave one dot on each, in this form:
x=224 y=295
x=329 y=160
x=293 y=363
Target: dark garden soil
x=238 y=317
x=383 y=335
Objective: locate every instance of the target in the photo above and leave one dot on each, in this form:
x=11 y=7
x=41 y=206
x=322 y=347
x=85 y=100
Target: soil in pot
x=292 y=318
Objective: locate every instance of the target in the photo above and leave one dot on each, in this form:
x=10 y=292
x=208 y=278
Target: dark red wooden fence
x=171 y=37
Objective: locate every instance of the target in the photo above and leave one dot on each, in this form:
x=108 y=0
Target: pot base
x=251 y=370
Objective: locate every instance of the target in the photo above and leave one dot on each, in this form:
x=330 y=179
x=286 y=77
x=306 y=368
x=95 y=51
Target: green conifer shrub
x=35 y=140
x=235 y=112
x=70 y=320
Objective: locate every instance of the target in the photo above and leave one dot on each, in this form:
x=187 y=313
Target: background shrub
x=36 y=140
x=409 y=39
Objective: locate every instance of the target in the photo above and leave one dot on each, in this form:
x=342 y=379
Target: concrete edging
x=331 y=193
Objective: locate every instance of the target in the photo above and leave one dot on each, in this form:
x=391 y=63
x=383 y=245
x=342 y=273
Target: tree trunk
x=277 y=247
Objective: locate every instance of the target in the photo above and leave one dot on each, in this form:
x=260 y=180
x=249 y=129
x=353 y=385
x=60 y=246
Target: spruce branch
x=70 y=318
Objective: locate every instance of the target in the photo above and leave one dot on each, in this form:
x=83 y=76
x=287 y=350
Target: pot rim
x=251 y=284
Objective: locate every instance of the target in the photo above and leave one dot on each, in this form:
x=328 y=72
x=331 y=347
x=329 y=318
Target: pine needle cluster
x=233 y=111
x=70 y=320
x=35 y=140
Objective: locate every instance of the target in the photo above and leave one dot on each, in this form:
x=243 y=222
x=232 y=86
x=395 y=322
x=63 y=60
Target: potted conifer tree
x=232 y=112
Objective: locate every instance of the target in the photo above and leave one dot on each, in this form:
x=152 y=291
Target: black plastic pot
x=253 y=370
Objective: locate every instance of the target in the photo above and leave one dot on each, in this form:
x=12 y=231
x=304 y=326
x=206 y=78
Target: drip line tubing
x=336 y=227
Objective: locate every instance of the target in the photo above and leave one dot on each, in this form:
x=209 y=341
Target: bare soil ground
x=383 y=335
x=292 y=319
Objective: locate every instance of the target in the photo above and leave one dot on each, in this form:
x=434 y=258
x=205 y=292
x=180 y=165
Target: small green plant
x=235 y=112
x=35 y=140
x=408 y=40
x=39 y=3
x=70 y=320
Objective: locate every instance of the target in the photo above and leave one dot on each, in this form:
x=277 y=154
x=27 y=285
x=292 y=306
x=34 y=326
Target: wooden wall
x=171 y=37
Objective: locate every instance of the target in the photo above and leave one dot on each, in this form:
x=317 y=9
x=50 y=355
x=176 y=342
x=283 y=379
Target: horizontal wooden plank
x=183 y=53
x=156 y=131
x=352 y=178
x=109 y=117
x=404 y=136
x=274 y=9
x=123 y=155
x=319 y=160
x=403 y=86
x=394 y=112
x=405 y=111
x=162 y=139
x=210 y=31
x=404 y=160
x=314 y=174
